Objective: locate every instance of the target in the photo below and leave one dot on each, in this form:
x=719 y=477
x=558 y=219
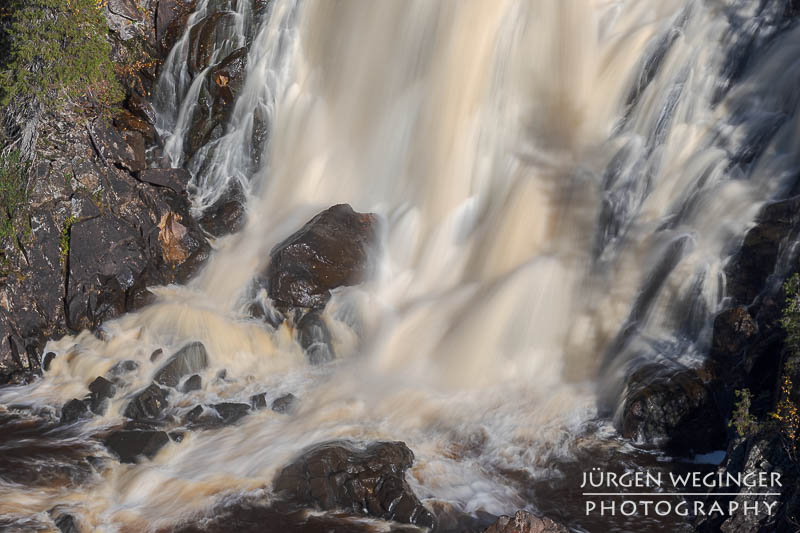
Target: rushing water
x=561 y=183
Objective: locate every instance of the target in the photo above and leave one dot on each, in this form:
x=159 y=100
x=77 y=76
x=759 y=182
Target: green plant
x=13 y=192
x=58 y=48
x=744 y=422
x=64 y=245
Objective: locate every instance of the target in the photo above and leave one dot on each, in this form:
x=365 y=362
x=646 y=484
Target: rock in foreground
x=330 y=251
x=369 y=481
x=524 y=522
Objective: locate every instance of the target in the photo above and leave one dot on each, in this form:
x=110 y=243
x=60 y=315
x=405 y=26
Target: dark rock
x=525 y=522
x=188 y=360
x=127 y=121
x=48 y=358
x=172 y=178
x=123 y=367
x=176 y=436
x=73 y=411
x=258 y=401
x=748 y=270
x=231 y=412
x=330 y=251
x=192 y=384
x=128 y=445
x=204 y=35
x=231 y=71
x=149 y=403
x=156 y=355
x=226 y=215
x=67 y=524
x=733 y=329
x=285 y=404
x=315 y=338
x=102 y=388
x=369 y=481
x=672 y=408
x=171 y=19
x=124 y=149
x=141 y=108
x=195 y=414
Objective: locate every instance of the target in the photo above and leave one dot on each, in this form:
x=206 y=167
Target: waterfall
x=561 y=183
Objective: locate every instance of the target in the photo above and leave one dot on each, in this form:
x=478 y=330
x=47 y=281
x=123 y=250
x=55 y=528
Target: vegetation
x=56 y=49
x=64 y=245
x=745 y=423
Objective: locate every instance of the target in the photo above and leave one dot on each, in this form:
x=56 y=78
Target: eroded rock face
x=369 y=481
x=525 y=522
x=331 y=250
x=672 y=408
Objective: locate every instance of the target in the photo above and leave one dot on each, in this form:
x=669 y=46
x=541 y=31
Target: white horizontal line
x=681 y=493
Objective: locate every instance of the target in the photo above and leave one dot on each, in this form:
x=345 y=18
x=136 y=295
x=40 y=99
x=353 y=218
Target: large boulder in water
x=369 y=481
x=330 y=251
x=673 y=408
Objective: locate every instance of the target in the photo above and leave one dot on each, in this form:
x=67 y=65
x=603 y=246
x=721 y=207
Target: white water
x=529 y=205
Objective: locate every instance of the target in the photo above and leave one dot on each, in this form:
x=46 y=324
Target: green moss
x=58 y=48
x=65 y=234
x=745 y=423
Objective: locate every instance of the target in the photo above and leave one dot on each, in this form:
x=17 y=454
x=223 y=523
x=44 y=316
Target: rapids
x=561 y=183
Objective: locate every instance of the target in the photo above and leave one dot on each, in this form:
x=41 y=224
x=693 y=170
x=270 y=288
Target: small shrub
x=58 y=48
x=744 y=422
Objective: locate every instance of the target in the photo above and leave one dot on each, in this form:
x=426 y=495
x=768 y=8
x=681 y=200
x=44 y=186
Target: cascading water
x=561 y=183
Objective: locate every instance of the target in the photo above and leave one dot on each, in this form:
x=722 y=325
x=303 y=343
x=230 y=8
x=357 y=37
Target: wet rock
x=672 y=408
x=733 y=329
x=141 y=108
x=231 y=71
x=258 y=401
x=368 y=481
x=156 y=355
x=123 y=367
x=48 y=359
x=101 y=391
x=222 y=374
x=285 y=404
x=749 y=269
x=149 y=403
x=315 y=338
x=127 y=121
x=195 y=413
x=67 y=524
x=172 y=178
x=176 y=436
x=226 y=215
x=124 y=149
x=525 y=522
x=171 y=18
x=231 y=413
x=330 y=251
x=192 y=384
x=129 y=445
x=73 y=411
x=203 y=35
x=188 y=360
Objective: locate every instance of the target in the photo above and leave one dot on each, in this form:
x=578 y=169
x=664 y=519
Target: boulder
x=230 y=413
x=367 y=481
x=226 y=215
x=101 y=390
x=192 y=384
x=672 y=408
x=73 y=411
x=258 y=401
x=147 y=404
x=172 y=178
x=48 y=359
x=285 y=404
x=525 y=522
x=188 y=360
x=128 y=445
x=331 y=250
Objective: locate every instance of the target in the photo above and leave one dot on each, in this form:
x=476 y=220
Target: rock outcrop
x=524 y=522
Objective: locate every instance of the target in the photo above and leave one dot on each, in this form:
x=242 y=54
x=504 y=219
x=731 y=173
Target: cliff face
x=93 y=223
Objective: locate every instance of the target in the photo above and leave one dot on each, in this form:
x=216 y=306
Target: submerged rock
x=672 y=408
x=101 y=391
x=188 y=360
x=148 y=404
x=230 y=413
x=368 y=481
x=525 y=522
x=285 y=404
x=129 y=445
x=315 y=338
x=258 y=401
x=329 y=251
x=192 y=384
